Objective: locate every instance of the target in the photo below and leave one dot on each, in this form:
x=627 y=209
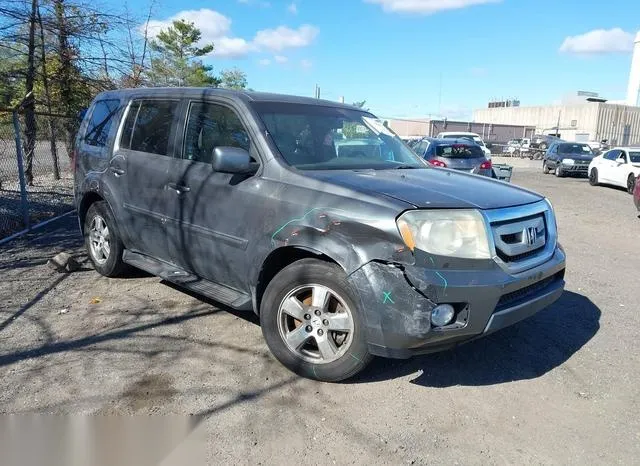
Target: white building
x=580 y=122
x=583 y=116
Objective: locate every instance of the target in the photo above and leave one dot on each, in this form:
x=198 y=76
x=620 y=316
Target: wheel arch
x=280 y=258
x=87 y=201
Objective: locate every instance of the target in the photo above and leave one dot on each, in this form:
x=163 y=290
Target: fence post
x=23 y=185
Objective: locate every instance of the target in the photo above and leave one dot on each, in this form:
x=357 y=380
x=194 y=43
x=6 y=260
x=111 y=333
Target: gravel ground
x=558 y=388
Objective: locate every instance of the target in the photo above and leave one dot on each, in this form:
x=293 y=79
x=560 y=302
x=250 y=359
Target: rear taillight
x=437 y=163
x=486 y=165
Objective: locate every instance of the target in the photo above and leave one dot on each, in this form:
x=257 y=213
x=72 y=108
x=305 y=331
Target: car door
x=552 y=157
x=143 y=159
x=606 y=166
x=213 y=213
x=620 y=170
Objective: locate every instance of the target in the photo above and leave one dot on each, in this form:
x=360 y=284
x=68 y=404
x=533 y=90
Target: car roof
x=464 y=133
x=634 y=148
x=245 y=96
x=450 y=141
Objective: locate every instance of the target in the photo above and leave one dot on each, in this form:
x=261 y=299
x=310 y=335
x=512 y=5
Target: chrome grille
x=522 y=237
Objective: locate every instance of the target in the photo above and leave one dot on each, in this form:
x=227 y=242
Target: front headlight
x=453 y=233
x=568 y=161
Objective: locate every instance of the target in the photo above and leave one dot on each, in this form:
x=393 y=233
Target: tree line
x=56 y=55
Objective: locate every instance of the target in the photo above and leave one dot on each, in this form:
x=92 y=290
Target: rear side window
x=100 y=122
x=148 y=126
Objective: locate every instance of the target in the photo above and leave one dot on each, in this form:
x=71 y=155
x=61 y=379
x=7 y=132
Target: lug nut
x=325 y=322
x=318 y=312
x=320 y=332
x=308 y=328
x=307 y=317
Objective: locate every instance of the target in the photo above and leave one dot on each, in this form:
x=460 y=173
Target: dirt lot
x=559 y=388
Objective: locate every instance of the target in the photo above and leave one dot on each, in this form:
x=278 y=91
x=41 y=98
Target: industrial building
x=582 y=117
x=493 y=133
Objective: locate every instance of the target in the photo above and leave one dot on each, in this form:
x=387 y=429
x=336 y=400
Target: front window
x=634 y=157
x=574 y=149
x=313 y=137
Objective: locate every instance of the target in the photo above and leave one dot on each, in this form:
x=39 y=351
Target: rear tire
x=102 y=240
x=631 y=183
x=593 y=177
x=302 y=308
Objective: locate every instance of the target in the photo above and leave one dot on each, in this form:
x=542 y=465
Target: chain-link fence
x=45 y=189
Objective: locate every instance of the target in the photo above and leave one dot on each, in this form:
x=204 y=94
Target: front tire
x=102 y=240
x=559 y=172
x=593 y=177
x=545 y=168
x=312 y=323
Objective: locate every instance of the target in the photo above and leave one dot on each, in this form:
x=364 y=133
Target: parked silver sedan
x=458 y=154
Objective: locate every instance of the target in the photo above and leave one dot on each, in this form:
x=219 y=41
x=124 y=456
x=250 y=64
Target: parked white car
x=464 y=134
x=619 y=166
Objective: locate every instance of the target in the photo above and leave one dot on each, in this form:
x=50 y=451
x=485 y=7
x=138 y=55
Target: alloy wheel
x=99 y=239
x=315 y=323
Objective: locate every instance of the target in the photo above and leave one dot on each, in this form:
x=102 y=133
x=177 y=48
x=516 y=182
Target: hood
x=431 y=187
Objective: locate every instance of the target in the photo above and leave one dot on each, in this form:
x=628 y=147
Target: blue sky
x=418 y=57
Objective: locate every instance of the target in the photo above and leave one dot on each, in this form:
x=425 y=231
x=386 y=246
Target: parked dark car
x=543 y=141
x=458 y=154
x=568 y=158
x=242 y=197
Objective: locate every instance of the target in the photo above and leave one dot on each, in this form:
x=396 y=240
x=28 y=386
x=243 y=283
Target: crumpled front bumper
x=397 y=301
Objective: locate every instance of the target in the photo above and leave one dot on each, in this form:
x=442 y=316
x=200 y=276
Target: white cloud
x=283 y=37
x=306 y=64
x=280 y=59
x=427 y=7
x=216 y=27
x=231 y=47
x=599 y=41
x=293 y=9
x=264 y=62
x=212 y=24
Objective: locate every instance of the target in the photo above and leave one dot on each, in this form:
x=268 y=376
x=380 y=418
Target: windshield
x=575 y=149
x=313 y=137
x=459 y=151
x=634 y=157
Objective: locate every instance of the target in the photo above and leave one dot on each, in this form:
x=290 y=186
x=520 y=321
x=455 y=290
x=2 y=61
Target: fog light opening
x=442 y=314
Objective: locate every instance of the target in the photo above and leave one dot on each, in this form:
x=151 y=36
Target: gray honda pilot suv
x=315 y=216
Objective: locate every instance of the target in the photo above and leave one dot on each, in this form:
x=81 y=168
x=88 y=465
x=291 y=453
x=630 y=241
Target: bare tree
x=29 y=105
x=47 y=95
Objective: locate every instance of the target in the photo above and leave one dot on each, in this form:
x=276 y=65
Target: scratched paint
x=444 y=280
x=342 y=212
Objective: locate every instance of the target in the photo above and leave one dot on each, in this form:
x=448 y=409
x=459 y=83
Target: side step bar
x=223 y=294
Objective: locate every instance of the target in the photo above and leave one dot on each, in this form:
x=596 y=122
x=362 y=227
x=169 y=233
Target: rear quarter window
x=100 y=122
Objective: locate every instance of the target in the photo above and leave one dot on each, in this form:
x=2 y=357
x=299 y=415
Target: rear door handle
x=179 y=188
x=117 y=171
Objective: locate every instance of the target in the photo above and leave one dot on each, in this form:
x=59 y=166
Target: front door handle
x=179 y=188
x=117 y=171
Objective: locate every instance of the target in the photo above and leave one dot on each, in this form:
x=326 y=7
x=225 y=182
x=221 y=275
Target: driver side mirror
x=233 y=160
x=621 y=159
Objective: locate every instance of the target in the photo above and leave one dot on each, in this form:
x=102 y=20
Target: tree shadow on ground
x=526 y=350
